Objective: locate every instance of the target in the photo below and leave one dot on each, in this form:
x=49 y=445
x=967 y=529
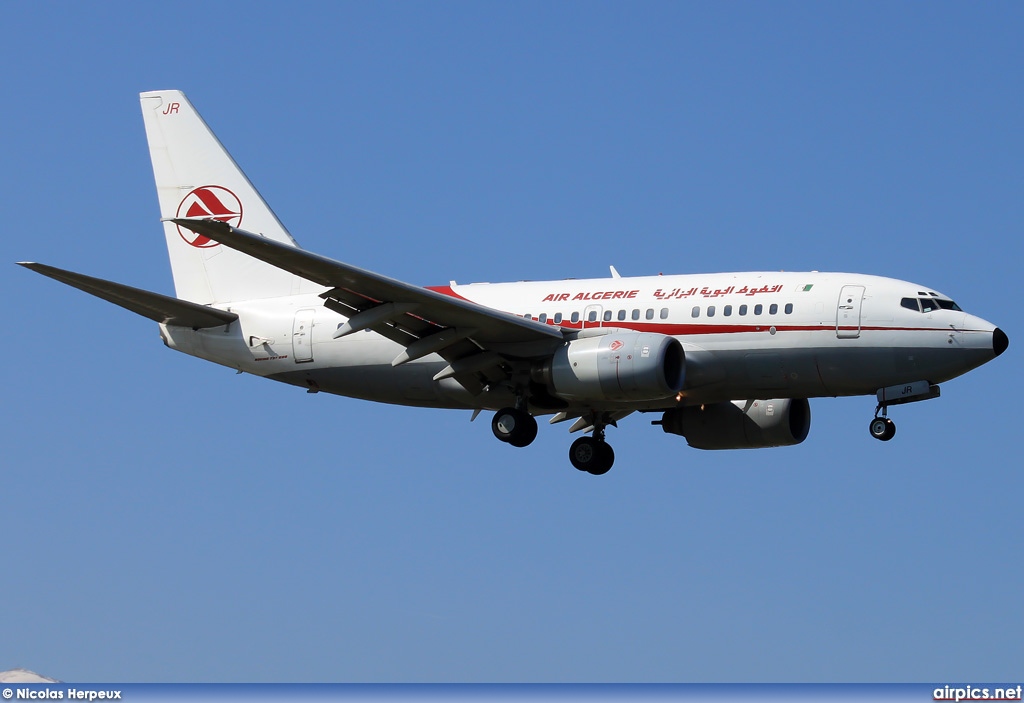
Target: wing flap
x=155 y=306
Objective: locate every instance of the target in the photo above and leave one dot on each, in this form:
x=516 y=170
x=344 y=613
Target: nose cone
x=999 y=341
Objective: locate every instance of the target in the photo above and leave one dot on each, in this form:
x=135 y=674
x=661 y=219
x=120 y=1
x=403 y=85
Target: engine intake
x=741 y=424
x=616 y=366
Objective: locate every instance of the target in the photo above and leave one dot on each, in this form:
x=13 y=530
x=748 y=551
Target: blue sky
x=166 y=520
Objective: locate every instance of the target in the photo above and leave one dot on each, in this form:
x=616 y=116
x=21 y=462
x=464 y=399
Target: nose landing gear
x=882 y=428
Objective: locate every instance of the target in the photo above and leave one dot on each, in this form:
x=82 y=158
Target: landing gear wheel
x=591 y=455
x=882 y=428
x=517 y=427
x=526 y=431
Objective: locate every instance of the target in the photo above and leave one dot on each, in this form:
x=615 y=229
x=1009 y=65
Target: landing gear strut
x=515 y=426
x=592 y=454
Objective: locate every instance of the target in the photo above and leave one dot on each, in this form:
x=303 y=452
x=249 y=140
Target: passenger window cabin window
x=758 y=309
x=773 y=309
x=664 y=313
x=789 y=308
x=558 y=318
x=695 y=312
x=650 y=313
x=592 y=316
x=575 y=317
x=622 y=314
x=727 y=310
x=711 y=311
x=636 y=314
x=607 y=315
x=743 y=309
x=528 y=316
x=543 y=317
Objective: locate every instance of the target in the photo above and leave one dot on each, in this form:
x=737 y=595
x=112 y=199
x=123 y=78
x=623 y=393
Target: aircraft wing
x=155 y=306
x=478 y=342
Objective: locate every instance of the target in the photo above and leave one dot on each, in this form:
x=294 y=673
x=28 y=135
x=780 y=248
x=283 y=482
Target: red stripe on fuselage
x=691 y=329
x=684 y=330
x=447 y=290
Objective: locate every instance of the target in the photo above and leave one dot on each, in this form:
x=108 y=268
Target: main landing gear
x=518 y=427
x=592 y=454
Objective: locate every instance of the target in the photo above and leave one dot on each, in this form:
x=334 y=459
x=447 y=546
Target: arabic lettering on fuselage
x=673 y=294
x=706 y=292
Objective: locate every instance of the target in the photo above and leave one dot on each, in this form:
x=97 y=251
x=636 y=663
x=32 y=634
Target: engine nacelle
x=741 y=424
x=616 y=366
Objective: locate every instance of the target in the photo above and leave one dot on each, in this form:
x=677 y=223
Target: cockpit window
x=928 y=304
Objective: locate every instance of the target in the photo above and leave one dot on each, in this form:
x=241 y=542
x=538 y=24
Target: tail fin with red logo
x=196 y=177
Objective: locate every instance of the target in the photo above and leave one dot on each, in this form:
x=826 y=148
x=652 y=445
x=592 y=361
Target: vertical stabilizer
x=196 y=177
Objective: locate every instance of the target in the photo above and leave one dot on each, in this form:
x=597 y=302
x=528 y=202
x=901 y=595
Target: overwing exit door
x=592 y=316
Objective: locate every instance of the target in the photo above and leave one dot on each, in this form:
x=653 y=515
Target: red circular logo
x=615 y=346
x=211 y=203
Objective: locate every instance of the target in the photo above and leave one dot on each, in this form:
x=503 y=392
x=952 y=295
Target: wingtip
x=199 y=225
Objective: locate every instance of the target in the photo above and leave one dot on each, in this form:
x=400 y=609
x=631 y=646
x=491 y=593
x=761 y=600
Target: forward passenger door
x=848 y=311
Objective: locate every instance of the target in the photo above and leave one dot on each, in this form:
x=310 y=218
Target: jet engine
x=741 y=424
x=616 y=366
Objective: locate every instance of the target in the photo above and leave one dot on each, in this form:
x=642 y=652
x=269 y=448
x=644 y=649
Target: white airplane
x=728 y=360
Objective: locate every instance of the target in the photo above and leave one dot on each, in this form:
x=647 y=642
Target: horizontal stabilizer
x=161 y=308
